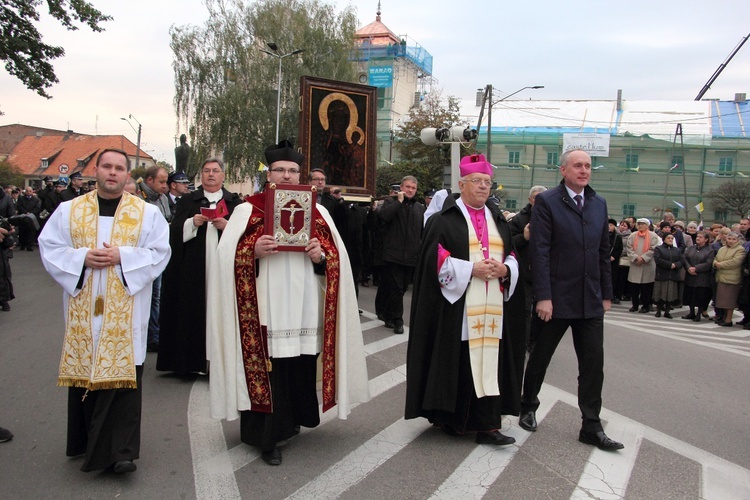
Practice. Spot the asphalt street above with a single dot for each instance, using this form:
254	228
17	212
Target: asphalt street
675	392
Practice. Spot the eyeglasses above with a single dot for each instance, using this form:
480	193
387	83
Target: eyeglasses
282	170
478	182
317	179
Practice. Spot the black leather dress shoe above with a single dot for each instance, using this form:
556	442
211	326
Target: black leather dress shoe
272	457
689	316
389	324
633	309
527	421
494	437
600	440
398	329
123	467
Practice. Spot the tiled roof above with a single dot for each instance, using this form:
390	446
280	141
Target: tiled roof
78	152
377	32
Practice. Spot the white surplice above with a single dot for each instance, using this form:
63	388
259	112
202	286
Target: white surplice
228	385
138	267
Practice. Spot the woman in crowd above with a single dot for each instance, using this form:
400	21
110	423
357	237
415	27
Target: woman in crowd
640	250
697	262
621	288
728	265
668	265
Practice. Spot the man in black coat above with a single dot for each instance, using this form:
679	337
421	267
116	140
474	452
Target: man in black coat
193	238
402	219
460	314
615	252
573	288
30	207
75	187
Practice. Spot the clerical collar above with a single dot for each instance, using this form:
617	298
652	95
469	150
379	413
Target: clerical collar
107	206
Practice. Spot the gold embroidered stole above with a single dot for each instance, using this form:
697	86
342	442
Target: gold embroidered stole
253	336
484	315
112	366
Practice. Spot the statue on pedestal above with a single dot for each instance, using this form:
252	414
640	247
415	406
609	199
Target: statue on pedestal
181	154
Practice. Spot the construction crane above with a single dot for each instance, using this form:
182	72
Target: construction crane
720	69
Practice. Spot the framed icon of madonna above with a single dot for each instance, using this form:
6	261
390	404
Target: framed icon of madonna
337	133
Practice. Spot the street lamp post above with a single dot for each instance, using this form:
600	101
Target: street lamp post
279	56
138	146
488	99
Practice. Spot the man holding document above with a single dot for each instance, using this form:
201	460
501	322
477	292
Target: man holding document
200	218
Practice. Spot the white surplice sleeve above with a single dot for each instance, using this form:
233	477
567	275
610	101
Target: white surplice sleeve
454	277
143	264
63	262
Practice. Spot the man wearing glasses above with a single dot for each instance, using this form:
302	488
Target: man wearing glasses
193	238
278	315
460	369
317	179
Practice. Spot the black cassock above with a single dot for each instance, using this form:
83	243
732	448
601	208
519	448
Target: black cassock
439	385
182	314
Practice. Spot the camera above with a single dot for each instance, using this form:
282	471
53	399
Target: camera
10	239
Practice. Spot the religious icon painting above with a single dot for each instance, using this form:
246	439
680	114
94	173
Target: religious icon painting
338	132
290	215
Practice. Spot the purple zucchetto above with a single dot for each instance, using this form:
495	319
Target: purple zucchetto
475	164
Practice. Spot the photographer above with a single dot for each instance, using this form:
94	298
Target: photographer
6	243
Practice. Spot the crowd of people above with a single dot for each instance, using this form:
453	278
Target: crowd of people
672	265
199	278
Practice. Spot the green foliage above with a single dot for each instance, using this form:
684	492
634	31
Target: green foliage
26	56
225	86
732	196
166	165
138	173
426	163
10	175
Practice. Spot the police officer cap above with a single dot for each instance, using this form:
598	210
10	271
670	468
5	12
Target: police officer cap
178	177
75	175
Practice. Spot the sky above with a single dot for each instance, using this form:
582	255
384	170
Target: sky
579	50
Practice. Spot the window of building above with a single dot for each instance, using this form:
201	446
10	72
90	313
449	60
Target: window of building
510	204
628	210
552	159
676	160
725	165
45	163
721	216
381	97
514	157
631	160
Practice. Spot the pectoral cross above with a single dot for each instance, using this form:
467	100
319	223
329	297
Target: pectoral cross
292	210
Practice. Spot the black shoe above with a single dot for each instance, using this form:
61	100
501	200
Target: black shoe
4	305
494	437
527	420
5	435
398	329
615	301
704	314
389	324
727	323
633	309
690	316
668	315
272	457
643	310
697	319
746	327
743	321
658	313
600	440
123	467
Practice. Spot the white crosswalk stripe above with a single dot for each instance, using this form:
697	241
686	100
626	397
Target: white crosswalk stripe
605	475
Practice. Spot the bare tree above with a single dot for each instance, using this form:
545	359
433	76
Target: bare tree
733	196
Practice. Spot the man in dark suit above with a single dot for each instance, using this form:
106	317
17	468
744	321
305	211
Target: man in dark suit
573	288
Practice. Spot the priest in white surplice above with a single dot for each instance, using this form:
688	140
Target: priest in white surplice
105	248
274	315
